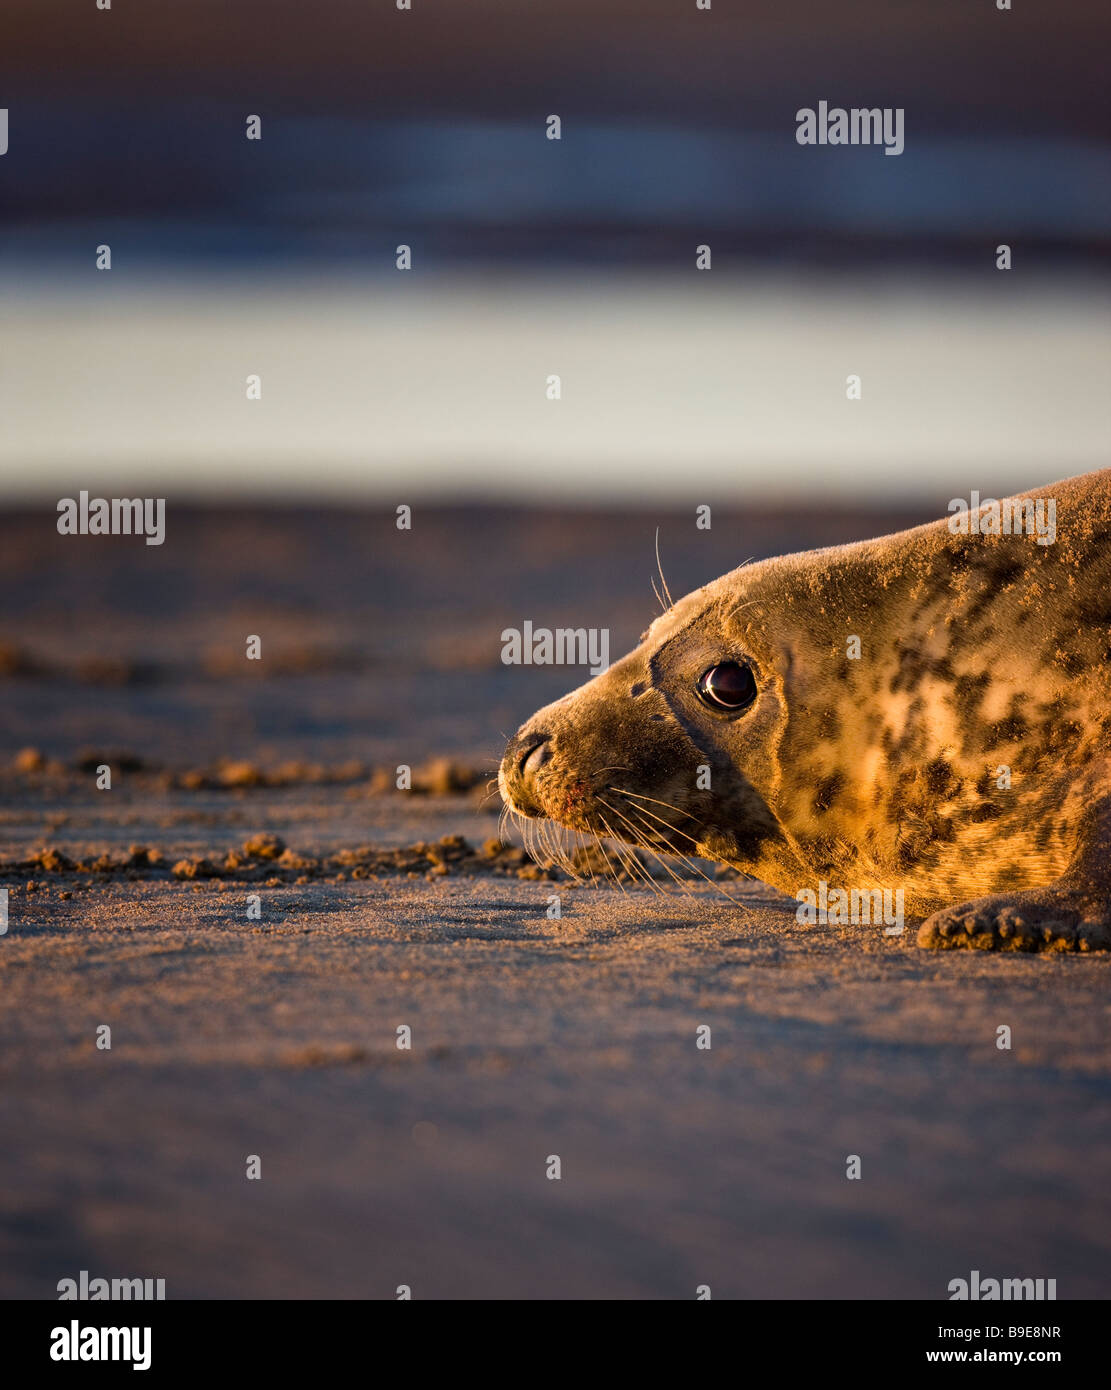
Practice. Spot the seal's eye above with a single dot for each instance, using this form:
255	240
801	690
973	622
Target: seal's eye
730	686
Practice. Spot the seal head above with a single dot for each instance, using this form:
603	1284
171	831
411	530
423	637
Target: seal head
673	747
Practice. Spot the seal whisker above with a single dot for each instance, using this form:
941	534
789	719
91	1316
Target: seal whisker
641	797
663	581
491	791
617	846
591	841
674	828
508	818
633	867
609	864
544	837
606	857
739	607
564	840
642	840
556	839
587	858
687	859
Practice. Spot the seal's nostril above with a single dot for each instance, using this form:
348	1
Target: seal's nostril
534	757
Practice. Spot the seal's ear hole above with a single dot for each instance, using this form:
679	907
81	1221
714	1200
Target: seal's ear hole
729	686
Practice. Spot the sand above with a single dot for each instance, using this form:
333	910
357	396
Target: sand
531	1036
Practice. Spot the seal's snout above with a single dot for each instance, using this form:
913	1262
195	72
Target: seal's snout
525	756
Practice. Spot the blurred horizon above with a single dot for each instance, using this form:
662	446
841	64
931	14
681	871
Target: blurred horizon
534	258
403	386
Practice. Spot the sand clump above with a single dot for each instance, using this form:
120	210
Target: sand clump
265	857
438	776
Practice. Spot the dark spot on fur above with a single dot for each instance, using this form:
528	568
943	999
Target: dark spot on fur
997	568
828	791
1006	569
940	779
1094	610
914	665
953	560
969	690
828	723
1009	730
